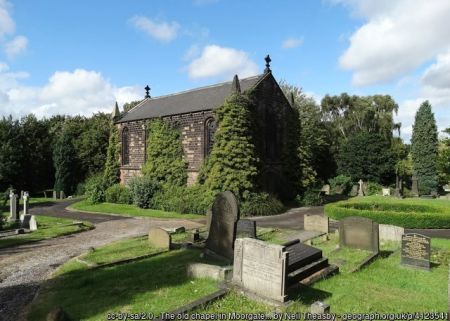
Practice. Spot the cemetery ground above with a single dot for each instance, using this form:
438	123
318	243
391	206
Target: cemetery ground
89	292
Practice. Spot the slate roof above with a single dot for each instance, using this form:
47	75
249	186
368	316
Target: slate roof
204	98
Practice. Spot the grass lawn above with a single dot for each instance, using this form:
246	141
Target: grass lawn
48	227
128	210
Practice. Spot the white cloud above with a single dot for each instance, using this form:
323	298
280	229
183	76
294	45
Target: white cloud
162	31
438	74
397	37
222	62
16	46
80	92
7	25
292	43
192	52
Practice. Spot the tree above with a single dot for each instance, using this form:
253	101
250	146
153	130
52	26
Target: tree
165	163
112	166
444	158
128	106
424	149
232	164
10	154
368	157
64	160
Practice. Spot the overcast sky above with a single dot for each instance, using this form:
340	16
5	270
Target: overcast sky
78	57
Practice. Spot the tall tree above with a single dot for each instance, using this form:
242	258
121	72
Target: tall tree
424	149
64	160
444	158
112	165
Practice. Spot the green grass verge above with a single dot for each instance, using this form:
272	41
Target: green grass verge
407	213
156	284
129	210
48	227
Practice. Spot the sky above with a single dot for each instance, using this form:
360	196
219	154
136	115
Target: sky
79	57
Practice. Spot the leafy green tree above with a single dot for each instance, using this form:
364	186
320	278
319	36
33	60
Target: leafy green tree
424	149
10	154
368	157
64	160
112	165
128	106
165	163
444	158
232	164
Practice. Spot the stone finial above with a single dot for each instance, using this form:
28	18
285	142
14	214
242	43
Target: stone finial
116	112
147	91
268	60
236	86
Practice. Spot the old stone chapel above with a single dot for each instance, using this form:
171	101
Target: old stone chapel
192	112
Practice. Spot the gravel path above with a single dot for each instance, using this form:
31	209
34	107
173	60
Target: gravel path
24	268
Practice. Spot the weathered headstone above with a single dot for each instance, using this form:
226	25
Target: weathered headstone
359	232
360	190
195	236
33	224
260	268
326	189
26	218
416	250
14	207
222	232
354	190
390	232
25	197
159	238
385	192
246	228
55	195
316	223
414	186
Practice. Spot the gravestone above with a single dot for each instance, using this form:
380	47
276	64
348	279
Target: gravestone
390	232
260	268
222	232
246	228
360	190
326	189
415	186
195	236
416	250
25	218
354	190
159	238
316	223
14	207
33	224
385	192
25	197
55	196
359	232
62	195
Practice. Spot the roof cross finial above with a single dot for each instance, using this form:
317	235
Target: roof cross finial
147	91
268	60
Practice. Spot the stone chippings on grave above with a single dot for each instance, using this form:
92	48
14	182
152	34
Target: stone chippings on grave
222	232
159	238
246	228
316	223
416	250
359	232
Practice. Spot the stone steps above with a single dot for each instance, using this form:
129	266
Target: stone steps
307	270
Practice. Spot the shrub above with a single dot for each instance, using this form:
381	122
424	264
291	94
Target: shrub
373	188
345	182
81	189
95	189
404	213
261	204
310	198
118	194
182	199
142	190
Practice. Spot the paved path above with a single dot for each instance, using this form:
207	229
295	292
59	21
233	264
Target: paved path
24	268
293	219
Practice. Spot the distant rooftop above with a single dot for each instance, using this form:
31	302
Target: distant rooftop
199	99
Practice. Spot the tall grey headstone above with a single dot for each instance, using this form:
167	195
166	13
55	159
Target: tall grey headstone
26	201
360	190
14	207
416	250
359	232
55	195
414	186
260	268
222	232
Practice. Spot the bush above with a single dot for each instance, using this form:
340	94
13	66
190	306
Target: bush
81	189
374	188
118	194
142	190
310	198
406	213
182	199
345	182
261	204
95	189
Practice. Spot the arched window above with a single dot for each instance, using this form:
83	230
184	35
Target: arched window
210	129
125	147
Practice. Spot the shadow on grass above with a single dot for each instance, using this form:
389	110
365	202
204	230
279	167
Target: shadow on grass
307	295
385	254
156	285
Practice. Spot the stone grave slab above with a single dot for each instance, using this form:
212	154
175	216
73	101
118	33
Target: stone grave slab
246	228
260	268
359	232
316	223
222	232
416	250
159	238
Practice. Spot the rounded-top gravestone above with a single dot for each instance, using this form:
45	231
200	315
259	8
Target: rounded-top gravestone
222	232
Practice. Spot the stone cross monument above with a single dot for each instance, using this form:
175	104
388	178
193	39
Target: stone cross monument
360	190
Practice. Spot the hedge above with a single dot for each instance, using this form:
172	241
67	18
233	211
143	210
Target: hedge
407	213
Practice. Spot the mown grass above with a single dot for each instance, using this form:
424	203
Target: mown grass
48	227
408	213
129	210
